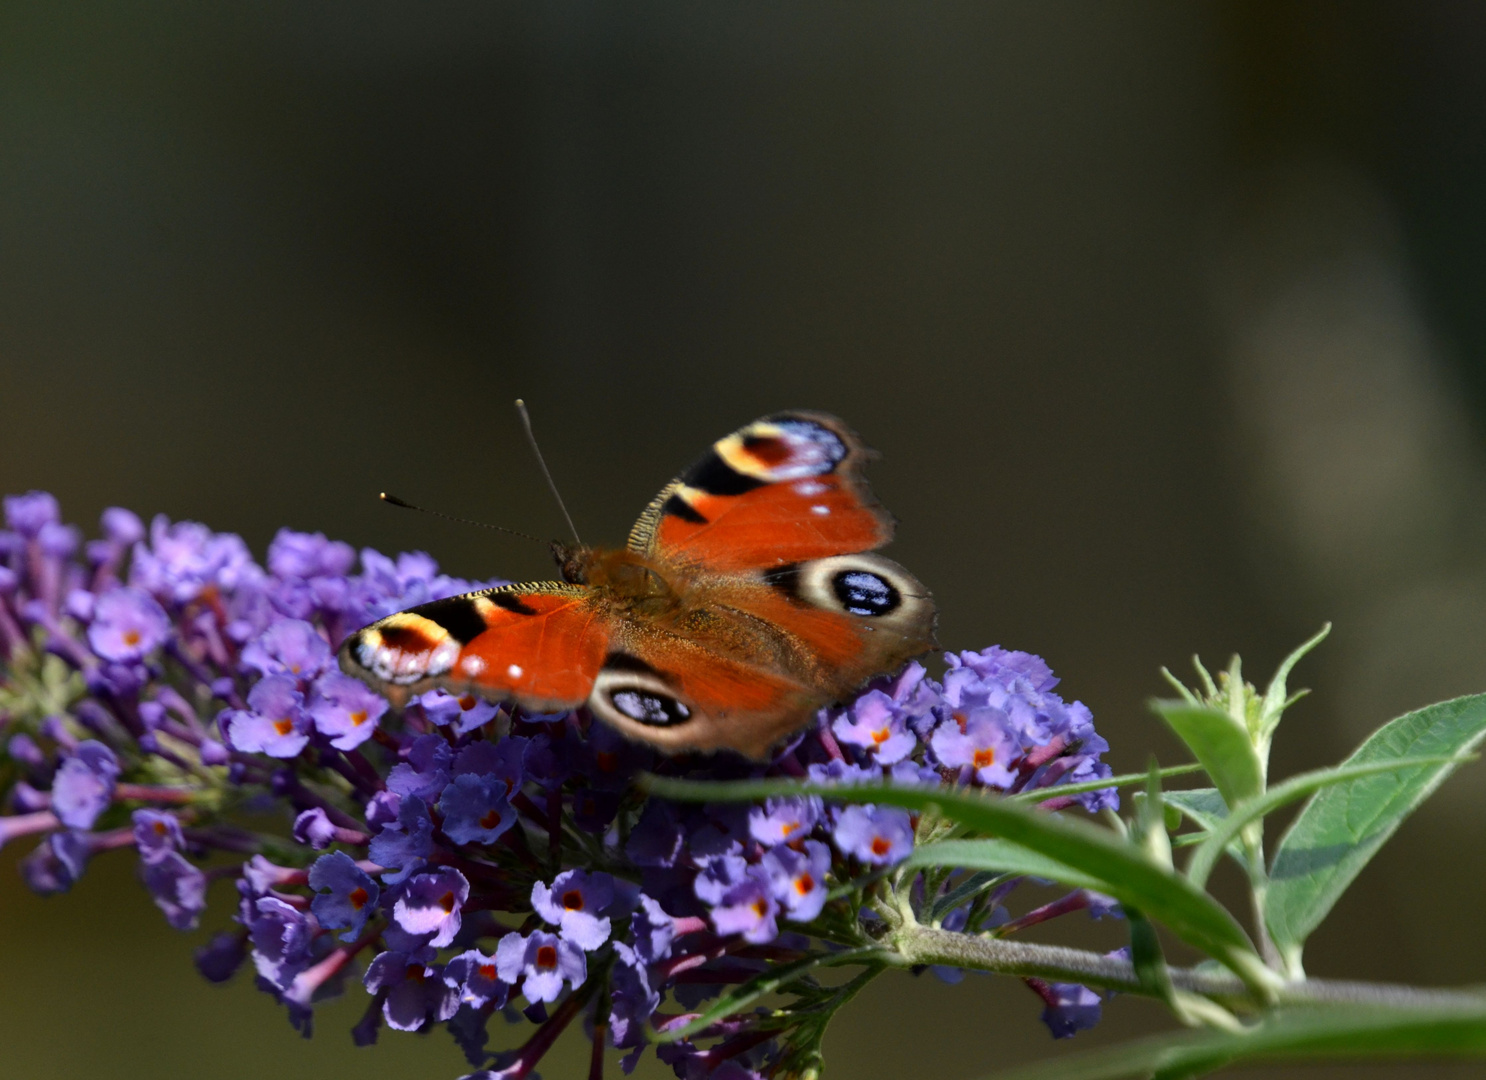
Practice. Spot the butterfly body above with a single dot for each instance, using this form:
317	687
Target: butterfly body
745	599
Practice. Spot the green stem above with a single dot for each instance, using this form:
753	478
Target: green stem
917	945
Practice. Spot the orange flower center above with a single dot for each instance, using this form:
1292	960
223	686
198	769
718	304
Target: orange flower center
961	719
358	718
760	907
880	846
490	819
804	883
131	637
546	957
572	900
881	735
284	726
447	901
984	759
358	898
487	971
789	827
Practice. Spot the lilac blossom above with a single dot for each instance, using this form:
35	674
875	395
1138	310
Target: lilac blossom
424	836
84	785
430	903
127	624
576	901
345	710
274	722
542	962
874	834
345	895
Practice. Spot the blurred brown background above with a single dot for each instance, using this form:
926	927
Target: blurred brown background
1166	318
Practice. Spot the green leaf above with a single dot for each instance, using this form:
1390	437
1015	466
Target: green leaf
1226	831
1074	851
1353	1033
1206	808
1127	780
1342	827
1221	743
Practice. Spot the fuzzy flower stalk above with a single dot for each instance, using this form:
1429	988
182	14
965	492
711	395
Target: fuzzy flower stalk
461	860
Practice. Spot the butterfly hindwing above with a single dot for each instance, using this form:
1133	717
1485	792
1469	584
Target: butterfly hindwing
779	645
783	489
538	644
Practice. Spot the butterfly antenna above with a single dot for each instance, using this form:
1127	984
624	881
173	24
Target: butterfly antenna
551	486
393	500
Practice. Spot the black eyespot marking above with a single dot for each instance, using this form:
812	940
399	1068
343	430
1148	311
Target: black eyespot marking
511	602
676	506
786	579
717	477
456	615
862	592
645	706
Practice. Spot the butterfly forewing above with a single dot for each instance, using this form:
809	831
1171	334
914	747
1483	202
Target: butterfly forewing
539	644
783	489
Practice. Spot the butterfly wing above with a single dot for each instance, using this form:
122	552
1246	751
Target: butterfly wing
784	489
539	645
759	654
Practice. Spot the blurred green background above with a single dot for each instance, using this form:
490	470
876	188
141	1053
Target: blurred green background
1166	318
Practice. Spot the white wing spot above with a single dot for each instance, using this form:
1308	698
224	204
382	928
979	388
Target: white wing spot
472	665
514	671
809	487
821	510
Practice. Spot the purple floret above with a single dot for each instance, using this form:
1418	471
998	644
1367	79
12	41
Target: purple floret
748	908
783	820
474	977
275	724
544	961
404	844
878	835
430	903
475	809
1070	1008
415	991
345	710
281	935
127	625
798	878
304	555
979	741
157	834
878	724
177	887
576	901
84	785
425	772
28	514
290	647
345	894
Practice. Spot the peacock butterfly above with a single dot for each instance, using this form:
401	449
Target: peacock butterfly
745	599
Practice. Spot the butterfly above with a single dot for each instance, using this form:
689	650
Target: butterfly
746	598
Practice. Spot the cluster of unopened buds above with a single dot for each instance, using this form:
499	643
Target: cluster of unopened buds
461	858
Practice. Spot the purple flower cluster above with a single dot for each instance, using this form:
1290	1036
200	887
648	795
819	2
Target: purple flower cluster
469	859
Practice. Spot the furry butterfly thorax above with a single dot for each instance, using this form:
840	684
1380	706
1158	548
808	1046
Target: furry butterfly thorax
747	596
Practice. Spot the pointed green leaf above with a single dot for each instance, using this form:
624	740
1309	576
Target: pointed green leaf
1221	743
1342	827
1077	852
1225	832
1353	1033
